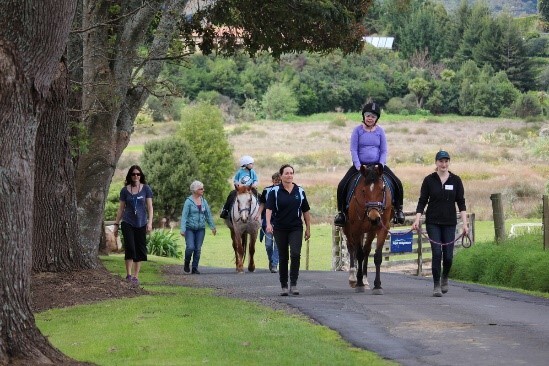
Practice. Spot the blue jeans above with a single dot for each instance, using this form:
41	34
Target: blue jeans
193	242
444	253
289	248
272	250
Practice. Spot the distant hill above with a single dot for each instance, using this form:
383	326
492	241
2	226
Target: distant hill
515	7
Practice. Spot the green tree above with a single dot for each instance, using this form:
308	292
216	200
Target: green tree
527	105
279	101
428	28
543	10
171	166
476	23
514	61
202	128
421	89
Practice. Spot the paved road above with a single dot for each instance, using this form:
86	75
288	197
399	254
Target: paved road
470	325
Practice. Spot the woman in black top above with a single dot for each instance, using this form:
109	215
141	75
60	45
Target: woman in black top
440	192
286	204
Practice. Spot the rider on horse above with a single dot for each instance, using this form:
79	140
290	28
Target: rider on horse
247	176
369	146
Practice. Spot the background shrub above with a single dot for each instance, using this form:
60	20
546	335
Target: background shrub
171	166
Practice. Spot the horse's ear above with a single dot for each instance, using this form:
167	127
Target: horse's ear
379	169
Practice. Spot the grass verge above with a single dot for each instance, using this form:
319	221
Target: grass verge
187	326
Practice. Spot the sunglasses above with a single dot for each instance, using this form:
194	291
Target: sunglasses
368	114
136	174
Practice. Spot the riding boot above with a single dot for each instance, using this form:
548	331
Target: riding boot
399	216
224	213
339	220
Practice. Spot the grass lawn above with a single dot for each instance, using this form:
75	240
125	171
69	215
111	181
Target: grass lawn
188	326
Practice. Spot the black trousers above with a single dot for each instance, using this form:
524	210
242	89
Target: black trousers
398	199
289	250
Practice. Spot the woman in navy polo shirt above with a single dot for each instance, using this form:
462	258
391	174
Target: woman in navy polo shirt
441	191
286	205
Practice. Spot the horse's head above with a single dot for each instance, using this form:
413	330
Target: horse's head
243	203
373	190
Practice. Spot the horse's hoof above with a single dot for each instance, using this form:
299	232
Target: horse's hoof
377	291
359	289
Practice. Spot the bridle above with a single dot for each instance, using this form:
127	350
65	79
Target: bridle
248	208
379	206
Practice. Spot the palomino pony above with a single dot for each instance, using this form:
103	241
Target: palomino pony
244	222
370	212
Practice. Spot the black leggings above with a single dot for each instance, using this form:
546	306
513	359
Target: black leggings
398	199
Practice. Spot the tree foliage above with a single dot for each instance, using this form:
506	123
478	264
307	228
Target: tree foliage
202	128
283	26
171	166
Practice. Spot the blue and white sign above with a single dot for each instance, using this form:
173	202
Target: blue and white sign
402	243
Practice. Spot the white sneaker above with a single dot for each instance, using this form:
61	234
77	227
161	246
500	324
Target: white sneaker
444	285
294	290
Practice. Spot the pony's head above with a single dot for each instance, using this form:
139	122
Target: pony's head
243	203
373	190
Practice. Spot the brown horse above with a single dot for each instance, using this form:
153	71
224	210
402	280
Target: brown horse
244	222
370	213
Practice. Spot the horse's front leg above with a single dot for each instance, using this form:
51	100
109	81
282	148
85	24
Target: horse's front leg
239	253
378	258
360	269
367	249
352	261
251	252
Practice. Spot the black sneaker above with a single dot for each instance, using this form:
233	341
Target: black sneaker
195	271
339	220
186	267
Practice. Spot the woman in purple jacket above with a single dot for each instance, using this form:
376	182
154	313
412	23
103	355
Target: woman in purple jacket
369	146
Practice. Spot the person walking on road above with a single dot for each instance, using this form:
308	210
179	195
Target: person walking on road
270	245
196	213
135	215
286	205
441	191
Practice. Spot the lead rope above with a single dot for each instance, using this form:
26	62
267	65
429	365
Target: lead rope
466	240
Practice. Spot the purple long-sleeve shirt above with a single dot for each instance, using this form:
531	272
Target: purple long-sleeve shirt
368	147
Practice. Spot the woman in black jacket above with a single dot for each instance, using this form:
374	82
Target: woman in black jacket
440	192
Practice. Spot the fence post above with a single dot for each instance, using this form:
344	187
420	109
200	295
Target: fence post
307	258
545	222
499	220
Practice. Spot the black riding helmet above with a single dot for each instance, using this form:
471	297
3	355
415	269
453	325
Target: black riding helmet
371	107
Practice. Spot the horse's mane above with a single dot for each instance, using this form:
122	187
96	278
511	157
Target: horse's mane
243	189
371	173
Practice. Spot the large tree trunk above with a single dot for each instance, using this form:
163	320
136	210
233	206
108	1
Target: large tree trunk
56	238
32	38
110	100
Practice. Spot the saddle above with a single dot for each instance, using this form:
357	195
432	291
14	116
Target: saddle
353	182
